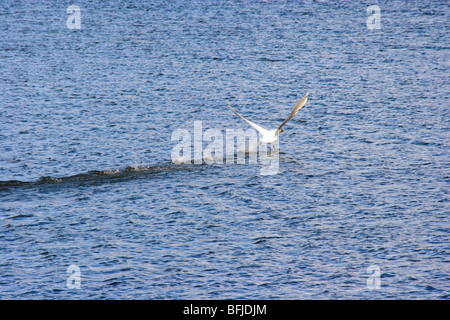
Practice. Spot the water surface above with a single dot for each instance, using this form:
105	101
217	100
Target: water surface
87	179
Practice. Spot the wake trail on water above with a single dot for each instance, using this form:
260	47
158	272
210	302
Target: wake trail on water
94	177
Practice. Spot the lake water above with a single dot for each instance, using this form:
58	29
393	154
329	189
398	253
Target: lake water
92	205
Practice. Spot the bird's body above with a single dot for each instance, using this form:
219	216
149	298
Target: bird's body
271	136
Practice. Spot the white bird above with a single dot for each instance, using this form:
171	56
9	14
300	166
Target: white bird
271	136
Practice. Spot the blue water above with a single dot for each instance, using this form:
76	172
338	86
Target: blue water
87	178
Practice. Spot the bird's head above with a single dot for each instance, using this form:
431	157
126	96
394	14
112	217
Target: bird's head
280	130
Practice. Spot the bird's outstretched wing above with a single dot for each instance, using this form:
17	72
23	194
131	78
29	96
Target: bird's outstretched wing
260	129
295	109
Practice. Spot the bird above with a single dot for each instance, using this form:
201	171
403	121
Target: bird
271	136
